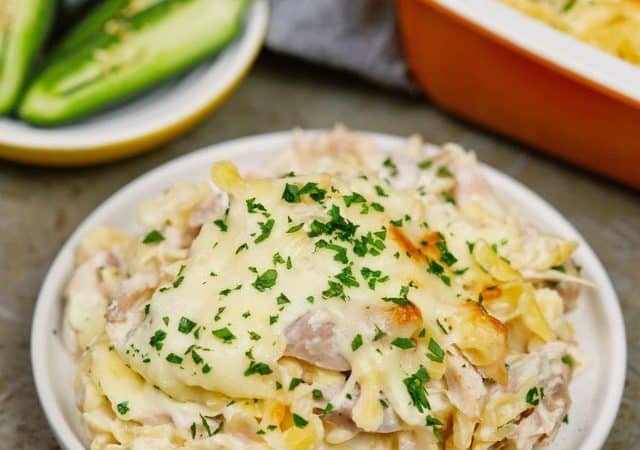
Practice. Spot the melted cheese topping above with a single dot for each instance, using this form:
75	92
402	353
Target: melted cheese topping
611	25
360	307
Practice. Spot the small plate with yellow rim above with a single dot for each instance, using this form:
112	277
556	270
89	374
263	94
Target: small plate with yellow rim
145	121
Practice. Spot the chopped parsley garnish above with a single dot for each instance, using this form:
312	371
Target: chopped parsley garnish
346	277
291	193
433	421
559	268
205	424
335	289
445	255
354	197
403	343
179	276
228	291
327	409
147	308
317	394
266	280
391	165
397	222
565	419
443	171
196	356
157	340
295	228
299	421
273	319
265	230
341	252
224	333
436	269
415	388
436	354
356	343
219	313
533	396
174	359
377	206
379	334
254	336
221	224
441	327
255	207
380	191
259	368
282	299
425	164
568	360
165	319
123	408
295	382
242	247
373	277
568	5
185	325
206	368
153	237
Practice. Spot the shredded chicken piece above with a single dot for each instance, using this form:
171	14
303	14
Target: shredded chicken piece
311	339
465	387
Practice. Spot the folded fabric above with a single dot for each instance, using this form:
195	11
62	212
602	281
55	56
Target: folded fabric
360	36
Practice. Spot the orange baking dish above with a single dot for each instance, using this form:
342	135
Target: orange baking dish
494	66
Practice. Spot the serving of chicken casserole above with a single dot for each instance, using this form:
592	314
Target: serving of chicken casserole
340	298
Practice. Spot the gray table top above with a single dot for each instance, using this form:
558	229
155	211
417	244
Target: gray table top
40	207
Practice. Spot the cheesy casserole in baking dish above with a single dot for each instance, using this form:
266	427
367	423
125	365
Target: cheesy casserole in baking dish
342	298
611	25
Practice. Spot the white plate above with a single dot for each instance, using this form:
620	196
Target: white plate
147	120
596	392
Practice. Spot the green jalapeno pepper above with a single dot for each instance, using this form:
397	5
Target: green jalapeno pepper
24	26
124	48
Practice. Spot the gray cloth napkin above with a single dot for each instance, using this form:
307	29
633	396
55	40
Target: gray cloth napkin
360	36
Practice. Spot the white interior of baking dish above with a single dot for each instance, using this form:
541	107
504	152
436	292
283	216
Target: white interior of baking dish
557	47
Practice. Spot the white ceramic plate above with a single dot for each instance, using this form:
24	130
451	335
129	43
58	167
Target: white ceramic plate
596	392
147	120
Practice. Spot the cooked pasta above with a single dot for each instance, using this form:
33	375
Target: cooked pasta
341	298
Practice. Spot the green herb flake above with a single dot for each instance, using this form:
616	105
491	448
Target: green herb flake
255	207
258	368
391	165
568	360
282	299
425	164
221	224
299	421
436	354
291	193
379	334
153	237
265	230
415	388
354	197
265	280
317	394
174	359
533	396
295	228
185	325
356	343
403	343
380	191
157	340
443	171
224	333
206	368
123	408
295	382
